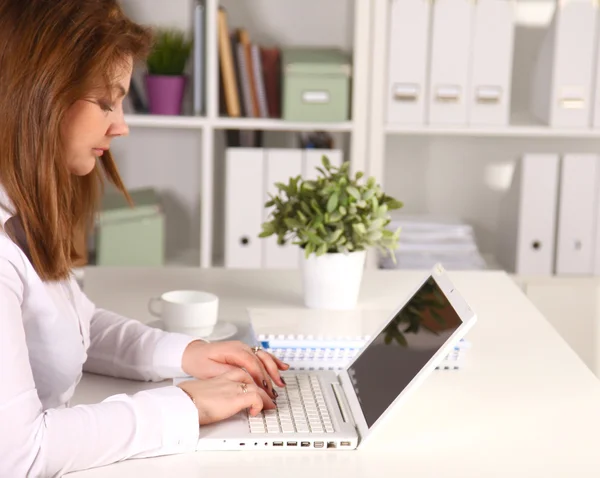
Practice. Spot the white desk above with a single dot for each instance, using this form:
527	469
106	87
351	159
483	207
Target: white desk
524	406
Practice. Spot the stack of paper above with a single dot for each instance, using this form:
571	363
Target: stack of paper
426	240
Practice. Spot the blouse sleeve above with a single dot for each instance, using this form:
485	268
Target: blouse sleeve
52	442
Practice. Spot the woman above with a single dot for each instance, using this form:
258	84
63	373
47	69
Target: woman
65	67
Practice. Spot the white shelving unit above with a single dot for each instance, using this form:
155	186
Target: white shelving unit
211	125
427	167
450	163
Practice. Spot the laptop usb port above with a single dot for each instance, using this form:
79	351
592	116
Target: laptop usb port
305	443
277	443
319	444
292	443
331	444
345	443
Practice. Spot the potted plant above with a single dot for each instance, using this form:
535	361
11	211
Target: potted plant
334	219
165	80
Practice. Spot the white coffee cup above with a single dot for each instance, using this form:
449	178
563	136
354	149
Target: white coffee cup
191	312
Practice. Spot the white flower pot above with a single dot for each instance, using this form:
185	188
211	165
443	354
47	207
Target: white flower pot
332	280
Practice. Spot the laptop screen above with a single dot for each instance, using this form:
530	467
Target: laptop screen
402	349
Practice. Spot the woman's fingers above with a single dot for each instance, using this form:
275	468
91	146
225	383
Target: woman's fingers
239	375
255	368
271	364
255	399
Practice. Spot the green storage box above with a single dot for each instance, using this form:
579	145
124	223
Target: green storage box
129	236
315	85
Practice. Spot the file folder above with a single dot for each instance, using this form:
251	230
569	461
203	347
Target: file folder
450	58
527	221
281	165
244	204
488	101
577	208
562	78
408	57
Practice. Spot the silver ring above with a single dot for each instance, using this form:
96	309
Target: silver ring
256	348
244	388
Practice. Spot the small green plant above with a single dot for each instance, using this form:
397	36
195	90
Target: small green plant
334	213
169	54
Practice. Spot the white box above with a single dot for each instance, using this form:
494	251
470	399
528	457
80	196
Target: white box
563	73
576	215
244	204
408	57
489	93
450	58
527	222
281	165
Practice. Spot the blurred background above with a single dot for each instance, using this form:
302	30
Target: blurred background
482	117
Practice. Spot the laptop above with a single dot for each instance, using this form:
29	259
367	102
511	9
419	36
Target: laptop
326	410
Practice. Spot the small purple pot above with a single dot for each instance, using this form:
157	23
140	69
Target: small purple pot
165	94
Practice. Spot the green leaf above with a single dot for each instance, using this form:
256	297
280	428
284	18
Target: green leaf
322	249
369	193
315	205
335	235
292	223
376	225
326	162
335	217
352	191
359	228
281	187
309	249
332	203
374	236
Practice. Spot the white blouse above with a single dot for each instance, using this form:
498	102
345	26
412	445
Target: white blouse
49	334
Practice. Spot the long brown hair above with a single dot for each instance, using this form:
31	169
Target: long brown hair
53	53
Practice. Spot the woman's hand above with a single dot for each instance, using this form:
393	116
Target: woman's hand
207	360
223	396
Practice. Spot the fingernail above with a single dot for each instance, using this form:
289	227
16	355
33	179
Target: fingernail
275	393
265	383
281	378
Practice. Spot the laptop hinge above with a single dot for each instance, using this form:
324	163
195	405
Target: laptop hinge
342	403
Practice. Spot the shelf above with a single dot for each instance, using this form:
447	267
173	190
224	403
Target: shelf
164	121
198	122
521	126
280	125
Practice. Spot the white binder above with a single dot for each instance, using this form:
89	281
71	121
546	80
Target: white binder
489	94
527	222
408	56
562	77
595	113
312	160
450	58
244	204
281	165
596	247
576	214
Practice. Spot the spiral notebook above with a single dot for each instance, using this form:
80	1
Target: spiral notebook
311	340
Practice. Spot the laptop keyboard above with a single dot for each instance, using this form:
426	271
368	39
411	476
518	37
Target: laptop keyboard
301	408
